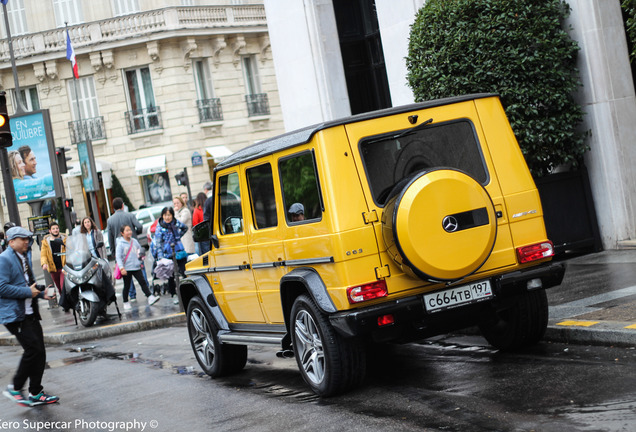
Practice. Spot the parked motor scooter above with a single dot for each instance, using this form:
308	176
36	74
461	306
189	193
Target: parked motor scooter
88	282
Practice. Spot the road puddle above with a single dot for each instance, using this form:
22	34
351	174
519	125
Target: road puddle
90	354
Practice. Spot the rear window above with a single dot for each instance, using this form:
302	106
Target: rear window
389	158
301	189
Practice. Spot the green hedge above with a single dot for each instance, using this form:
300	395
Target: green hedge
516	48
629	7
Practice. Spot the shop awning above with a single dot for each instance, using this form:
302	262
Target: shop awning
150	165
218	153
100	165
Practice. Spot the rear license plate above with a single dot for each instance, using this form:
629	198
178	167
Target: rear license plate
458	296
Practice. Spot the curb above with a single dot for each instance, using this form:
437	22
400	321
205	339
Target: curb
90	333
606	333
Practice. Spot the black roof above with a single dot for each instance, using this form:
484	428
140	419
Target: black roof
304	135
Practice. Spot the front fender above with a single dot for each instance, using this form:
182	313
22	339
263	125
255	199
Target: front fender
89	295
200	286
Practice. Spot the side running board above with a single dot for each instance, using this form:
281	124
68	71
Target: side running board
245	338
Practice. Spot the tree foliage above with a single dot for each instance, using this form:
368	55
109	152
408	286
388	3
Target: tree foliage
516	48
629	7
118	191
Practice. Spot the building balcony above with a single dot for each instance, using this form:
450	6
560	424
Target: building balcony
143	120
92	128
149	26
257	104
210	110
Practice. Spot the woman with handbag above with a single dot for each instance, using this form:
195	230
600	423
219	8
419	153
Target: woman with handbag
167	243
129	257
94	237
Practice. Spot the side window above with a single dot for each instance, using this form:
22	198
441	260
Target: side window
230	213
301	193
261	186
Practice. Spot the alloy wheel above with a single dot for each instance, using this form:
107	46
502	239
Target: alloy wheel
309	347
201	335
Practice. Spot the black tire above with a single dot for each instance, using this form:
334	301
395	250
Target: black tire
89	314
329	363
519	326
216	359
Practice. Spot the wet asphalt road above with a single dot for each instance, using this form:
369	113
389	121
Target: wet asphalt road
449	383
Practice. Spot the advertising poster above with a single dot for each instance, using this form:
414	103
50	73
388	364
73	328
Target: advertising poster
85	168
30	159
157	187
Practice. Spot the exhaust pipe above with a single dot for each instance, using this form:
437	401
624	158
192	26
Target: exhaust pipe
285	354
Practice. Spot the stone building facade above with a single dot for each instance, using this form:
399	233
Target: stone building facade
163	85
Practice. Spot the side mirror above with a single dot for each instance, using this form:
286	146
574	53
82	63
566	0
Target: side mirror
201	231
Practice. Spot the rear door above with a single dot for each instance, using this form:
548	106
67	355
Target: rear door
263	227
392	148
232	280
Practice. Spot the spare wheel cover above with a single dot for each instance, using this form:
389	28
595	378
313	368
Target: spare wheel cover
444	225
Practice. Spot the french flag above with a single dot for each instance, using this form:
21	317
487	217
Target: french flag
70	54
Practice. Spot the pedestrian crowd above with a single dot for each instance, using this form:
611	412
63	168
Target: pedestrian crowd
170	243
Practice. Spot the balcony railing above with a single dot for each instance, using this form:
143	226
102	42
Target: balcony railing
154	24
210	110
257	104
91	127
143	120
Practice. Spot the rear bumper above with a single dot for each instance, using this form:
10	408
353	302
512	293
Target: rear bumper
412	321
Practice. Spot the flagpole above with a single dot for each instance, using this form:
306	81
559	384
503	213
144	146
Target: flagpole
85	136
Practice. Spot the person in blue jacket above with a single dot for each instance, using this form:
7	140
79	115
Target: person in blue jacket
167	244
19	313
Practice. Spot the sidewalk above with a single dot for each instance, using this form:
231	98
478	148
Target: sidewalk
595	304
60	328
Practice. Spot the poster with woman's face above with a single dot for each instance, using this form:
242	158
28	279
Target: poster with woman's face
29	159
158	187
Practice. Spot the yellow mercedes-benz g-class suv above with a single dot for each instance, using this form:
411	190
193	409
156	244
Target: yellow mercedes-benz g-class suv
393	225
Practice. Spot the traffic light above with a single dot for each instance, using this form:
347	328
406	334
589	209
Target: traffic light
6	140
68	203
182	178
60	154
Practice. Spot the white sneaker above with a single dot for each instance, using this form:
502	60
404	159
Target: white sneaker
127	306
175	299
153	299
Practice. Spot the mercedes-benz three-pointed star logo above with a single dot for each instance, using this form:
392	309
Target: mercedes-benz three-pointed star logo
450	224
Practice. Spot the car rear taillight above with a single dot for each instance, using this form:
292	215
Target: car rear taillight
535	252
367	292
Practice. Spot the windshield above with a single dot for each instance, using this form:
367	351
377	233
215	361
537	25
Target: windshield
389	158
78	254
